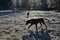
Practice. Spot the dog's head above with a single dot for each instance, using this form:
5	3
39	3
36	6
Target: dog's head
27	22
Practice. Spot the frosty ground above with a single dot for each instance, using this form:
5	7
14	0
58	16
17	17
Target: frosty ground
12	25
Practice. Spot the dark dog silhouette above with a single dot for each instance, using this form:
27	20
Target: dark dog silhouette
36	21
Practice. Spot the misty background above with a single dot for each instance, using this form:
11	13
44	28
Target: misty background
30	4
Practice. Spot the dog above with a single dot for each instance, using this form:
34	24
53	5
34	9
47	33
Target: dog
36	21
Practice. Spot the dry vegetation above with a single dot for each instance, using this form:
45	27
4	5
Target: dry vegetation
12	26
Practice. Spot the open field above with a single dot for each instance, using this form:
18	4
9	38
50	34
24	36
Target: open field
12	26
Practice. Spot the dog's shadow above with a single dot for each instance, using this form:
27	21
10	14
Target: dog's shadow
37	36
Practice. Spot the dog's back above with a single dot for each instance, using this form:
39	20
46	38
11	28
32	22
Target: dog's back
35	21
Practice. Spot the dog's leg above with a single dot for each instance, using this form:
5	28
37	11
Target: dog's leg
36	28
29	26
45	26
41	25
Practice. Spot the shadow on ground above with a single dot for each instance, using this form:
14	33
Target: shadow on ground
37	36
